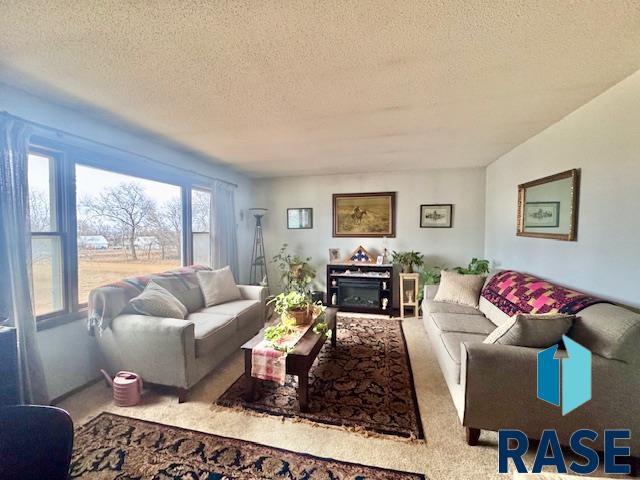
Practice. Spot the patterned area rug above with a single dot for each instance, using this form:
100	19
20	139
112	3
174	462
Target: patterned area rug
364	383
121	448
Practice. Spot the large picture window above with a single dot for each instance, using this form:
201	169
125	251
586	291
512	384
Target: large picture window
98	222
46	238
126	226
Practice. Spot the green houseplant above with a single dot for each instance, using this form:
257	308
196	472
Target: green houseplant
296	273
476	267
429	276
407	259
293	305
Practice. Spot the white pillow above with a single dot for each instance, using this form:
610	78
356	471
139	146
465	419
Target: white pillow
530	330
460	289
218	286
157	301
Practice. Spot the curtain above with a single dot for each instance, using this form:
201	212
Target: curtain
224	235
15	258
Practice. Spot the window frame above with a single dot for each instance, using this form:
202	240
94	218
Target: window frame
66	157
209	191
56	190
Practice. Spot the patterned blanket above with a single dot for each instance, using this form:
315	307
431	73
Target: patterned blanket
515	292
109	301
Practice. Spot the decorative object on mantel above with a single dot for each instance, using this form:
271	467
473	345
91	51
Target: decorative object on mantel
258	272
408	297
360	255
407	260
364	214
334	255
548	207
438	215
299	218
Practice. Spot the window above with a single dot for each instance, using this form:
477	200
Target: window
126	226
46	238
200	226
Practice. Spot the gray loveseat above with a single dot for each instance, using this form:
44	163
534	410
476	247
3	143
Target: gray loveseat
494	386
170	351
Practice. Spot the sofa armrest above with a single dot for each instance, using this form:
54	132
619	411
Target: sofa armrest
500	384
161	350
430	292
253	292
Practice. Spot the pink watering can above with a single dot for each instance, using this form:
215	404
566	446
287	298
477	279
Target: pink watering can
127	388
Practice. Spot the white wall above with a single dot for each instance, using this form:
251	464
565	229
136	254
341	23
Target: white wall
69	353
602	138
465	188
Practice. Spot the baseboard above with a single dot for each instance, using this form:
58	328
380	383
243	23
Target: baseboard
64	396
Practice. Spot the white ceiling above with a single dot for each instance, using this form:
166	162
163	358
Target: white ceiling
284	87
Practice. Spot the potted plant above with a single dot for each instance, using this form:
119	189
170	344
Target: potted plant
294	306
476	267
296	272
407	260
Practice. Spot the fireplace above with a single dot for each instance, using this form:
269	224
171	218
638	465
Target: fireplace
358	293
360	287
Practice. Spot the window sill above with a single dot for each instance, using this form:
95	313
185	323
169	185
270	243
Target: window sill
59	320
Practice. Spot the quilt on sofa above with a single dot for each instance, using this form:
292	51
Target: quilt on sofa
515	292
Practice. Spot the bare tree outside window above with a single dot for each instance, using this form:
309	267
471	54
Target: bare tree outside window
127	204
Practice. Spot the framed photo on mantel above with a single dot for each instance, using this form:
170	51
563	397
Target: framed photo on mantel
438	215
364	214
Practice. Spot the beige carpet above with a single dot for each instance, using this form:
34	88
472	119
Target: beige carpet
443	456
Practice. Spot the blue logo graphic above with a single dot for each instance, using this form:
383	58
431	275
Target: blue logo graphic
565	381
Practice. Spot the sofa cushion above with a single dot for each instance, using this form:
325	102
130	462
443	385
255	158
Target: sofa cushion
185	288
246	311
452	341
459	322
493	313
157	301
460	289
431	306
533	331
211	330
609	331
218	286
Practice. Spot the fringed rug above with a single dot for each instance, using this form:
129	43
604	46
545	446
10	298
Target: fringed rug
111	447
365	383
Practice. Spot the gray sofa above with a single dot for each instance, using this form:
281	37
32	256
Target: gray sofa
494	386
170	351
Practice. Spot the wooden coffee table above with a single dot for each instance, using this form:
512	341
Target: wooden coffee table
299	361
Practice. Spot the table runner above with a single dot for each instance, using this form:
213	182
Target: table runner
269	363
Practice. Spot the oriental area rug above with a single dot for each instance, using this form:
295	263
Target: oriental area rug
365	383
111	447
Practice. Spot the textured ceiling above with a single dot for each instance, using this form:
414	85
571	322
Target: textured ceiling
283	87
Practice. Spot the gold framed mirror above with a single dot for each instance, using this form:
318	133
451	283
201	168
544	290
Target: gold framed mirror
548	207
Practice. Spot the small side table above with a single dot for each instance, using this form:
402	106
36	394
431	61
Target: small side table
409	285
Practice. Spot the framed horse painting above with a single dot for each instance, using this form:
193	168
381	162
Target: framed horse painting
364	214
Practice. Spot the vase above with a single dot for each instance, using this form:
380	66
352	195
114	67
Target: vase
409	296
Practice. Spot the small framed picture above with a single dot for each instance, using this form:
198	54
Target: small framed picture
379	260
299	218
334	255
542	214
436	215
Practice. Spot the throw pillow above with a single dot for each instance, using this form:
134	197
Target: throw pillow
218	286
185	288
461	289
157	301
535	331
